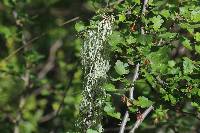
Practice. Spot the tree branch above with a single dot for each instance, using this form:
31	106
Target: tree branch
51	59
136	73
125	119
139	121
126	116
144	6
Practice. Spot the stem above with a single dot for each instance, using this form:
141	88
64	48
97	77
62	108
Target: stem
144	6
124	121
147	111
136	73
126	116
139	121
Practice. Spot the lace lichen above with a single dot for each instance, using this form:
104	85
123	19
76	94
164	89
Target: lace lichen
95	61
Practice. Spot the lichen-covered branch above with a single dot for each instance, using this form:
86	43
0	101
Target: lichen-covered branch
95	61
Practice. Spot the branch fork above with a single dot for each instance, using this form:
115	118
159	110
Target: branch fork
136	73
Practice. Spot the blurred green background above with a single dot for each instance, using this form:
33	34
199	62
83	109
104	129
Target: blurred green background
40	71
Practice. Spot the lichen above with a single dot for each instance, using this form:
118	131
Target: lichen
95	61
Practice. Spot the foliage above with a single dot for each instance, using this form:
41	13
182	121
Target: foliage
41	76
168	53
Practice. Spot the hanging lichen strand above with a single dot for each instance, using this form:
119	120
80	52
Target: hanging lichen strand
95	61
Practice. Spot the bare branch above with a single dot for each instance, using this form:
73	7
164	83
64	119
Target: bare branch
69	21
23	46
144	6
139	121
124	121
47	117
126	116
52	56
143	13
136	73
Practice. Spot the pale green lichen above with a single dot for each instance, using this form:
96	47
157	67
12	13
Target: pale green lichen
95	61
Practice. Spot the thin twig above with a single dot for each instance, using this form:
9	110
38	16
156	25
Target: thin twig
36	38
69	21
126	116
55	113
47	117
143	13
23	46
139	121
71	76
51	59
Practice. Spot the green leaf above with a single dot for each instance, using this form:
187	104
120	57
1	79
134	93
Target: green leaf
121	68
171	98
136	1
187	43
109	87
189	26
168	35
115	39
159	59
131	40
79	26
196	105
165	13
145	39
171	63
111	111
157	22
195	15
122	17
91	131
133	109
197	48
188	66
184	11
7	31
197	37
195	91
160	113
143	102
33	56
